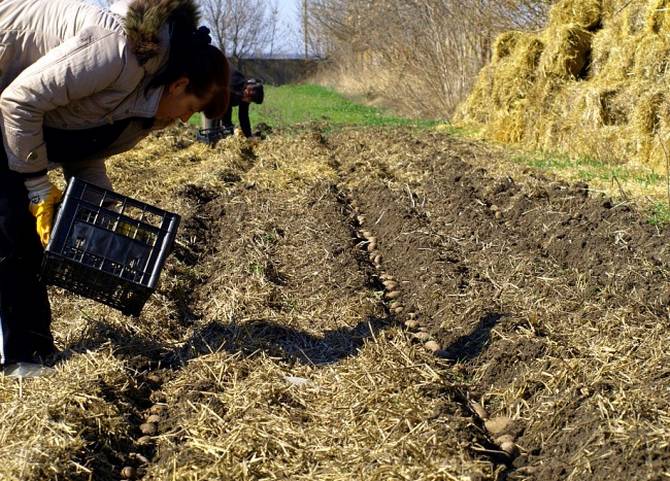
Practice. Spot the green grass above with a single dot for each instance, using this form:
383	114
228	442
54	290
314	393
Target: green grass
589	169
289	106
659	214
643	182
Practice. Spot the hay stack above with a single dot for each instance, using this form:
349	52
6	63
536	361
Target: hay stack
568	52
586	13
658	17
500	93
595	87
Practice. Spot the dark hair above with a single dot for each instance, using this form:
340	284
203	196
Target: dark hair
257	92
205	66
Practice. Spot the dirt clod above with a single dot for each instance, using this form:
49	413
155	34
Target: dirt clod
154	377
421	336
505	438
154	418
157	408
510	448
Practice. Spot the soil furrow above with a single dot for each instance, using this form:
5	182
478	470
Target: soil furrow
292	326
367	304
510	277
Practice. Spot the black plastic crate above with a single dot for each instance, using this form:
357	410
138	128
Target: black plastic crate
108	247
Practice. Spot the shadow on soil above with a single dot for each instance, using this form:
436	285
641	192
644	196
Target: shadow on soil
138	350
292	345
260	335
471	345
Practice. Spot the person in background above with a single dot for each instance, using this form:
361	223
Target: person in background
243	92
79	83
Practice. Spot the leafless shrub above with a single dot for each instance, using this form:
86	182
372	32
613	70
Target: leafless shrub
243	28
423	54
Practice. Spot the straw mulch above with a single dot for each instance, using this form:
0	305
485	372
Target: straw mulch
299	372
553	297
267	350
596	90
272	350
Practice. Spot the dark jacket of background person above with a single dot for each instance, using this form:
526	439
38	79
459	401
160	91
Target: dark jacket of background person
237	84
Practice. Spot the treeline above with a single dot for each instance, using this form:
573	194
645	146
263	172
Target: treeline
419	56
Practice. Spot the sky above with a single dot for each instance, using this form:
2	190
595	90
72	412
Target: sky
288	12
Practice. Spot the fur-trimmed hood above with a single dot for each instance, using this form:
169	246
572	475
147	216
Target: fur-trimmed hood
144	20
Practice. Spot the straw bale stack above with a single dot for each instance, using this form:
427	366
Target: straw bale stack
634	17
596	90
567	53
610	54
650	61
658	16
651	116
506	44
585	13
507	81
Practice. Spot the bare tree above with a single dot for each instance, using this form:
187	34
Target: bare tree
316	41
242	28
274	26
423	52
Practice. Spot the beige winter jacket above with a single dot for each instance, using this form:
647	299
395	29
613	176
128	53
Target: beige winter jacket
70	65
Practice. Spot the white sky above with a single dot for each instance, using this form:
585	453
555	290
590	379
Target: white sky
288	10
289	14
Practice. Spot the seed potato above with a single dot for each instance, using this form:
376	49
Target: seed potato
148	428
128	472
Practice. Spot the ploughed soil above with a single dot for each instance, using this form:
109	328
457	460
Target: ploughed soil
371	304
547	296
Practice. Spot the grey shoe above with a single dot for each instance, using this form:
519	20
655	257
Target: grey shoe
26	370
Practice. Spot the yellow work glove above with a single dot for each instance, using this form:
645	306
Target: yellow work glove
43	196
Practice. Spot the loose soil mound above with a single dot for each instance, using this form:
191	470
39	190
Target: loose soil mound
376	304
591	84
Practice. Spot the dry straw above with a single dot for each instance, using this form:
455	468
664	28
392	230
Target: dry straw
605	62
567	51
288	367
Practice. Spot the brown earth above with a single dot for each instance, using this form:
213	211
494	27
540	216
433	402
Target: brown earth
277	347
527	278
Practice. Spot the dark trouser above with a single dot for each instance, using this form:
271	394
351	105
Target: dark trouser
25	314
